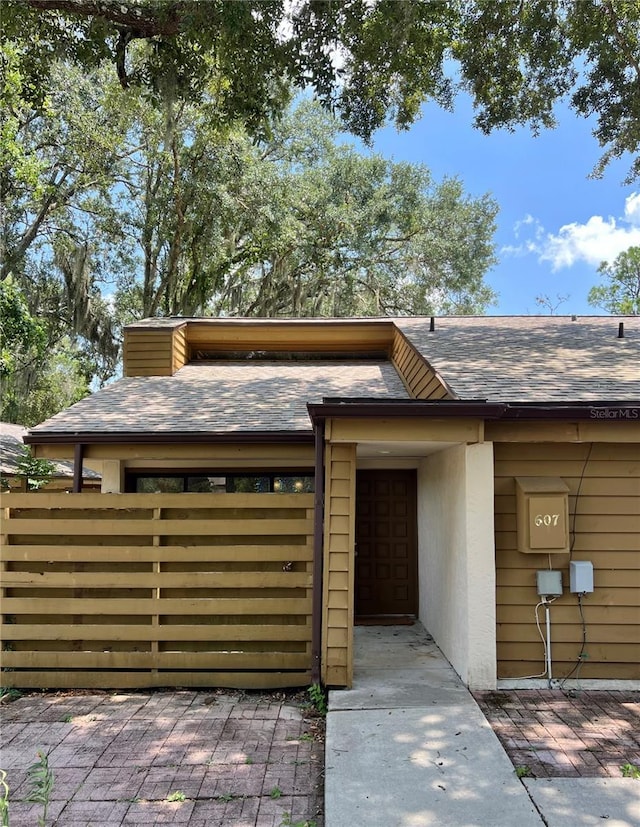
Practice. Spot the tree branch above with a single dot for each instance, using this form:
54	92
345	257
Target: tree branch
143	22
623	44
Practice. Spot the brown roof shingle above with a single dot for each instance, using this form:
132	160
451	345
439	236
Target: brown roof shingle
532	358
225	397
501	359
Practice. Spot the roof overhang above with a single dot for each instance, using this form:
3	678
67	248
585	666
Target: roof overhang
470	408
329	408
168	437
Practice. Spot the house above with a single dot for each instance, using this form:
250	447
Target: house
13	477
266	484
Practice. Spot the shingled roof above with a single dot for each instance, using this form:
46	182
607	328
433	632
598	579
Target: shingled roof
499	359
532	358
225	397
12	450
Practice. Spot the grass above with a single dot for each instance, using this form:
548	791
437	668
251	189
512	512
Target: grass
630	771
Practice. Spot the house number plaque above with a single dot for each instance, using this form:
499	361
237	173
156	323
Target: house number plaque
542	515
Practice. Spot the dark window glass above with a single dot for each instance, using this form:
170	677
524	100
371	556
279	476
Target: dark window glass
230	483
248	485
160	485
293	484
206	485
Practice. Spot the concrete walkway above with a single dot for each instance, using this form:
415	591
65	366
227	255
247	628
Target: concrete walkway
409	747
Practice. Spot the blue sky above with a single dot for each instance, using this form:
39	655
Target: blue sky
555	224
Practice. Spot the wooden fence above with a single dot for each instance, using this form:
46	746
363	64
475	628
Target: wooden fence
144	590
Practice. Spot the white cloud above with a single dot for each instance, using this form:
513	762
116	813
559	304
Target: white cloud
528	226
632	208
599	239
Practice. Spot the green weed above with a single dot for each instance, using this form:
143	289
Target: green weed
4	800
227	797
8	693
630	771
288	822
178	795
40	776
318	696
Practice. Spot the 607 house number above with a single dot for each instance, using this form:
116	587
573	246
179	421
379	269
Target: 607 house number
546	519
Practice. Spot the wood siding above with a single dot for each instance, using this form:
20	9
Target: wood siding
148	352
180	348
223	455
419	378
143	590
161	351
339	540
604	513
329	336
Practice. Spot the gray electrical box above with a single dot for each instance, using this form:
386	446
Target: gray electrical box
580	576
549	582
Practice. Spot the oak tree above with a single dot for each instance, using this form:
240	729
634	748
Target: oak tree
370	60
621	294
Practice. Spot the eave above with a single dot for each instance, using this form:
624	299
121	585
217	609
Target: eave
168	437
592	410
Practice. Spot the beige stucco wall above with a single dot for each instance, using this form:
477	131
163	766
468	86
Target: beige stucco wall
456	558
112	476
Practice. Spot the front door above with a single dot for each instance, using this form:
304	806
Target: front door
386	570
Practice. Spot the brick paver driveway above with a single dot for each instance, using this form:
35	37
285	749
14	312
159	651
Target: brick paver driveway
216	759
555	734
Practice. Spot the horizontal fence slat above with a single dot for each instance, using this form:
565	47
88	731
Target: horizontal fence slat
151	527
149	571
135	501
157	606
162	632
159	554
155	660
143	680
160	580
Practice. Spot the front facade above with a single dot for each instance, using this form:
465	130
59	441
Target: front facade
267	484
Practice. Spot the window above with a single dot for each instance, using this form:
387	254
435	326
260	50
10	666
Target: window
258	483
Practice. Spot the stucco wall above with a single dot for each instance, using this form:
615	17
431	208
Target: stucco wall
456	567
